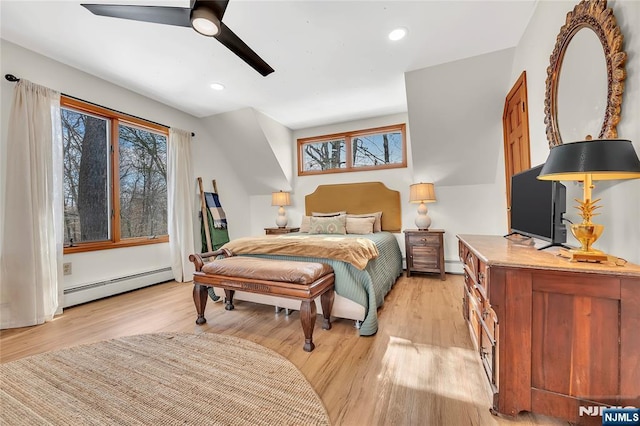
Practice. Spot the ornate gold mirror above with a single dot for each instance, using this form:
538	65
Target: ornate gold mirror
585	78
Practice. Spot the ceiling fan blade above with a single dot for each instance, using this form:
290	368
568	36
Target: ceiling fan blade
178	16
237	46
217	6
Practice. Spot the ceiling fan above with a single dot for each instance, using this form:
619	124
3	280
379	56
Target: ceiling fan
203	16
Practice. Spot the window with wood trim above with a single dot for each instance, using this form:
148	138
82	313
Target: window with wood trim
114	179
369	149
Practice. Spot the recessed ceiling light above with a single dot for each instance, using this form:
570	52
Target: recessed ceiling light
217	86
397	34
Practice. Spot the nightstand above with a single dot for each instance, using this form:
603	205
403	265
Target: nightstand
276	231
425	251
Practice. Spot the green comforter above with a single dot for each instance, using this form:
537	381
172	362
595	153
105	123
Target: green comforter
365	287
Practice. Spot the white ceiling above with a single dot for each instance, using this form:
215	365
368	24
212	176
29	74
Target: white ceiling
333	61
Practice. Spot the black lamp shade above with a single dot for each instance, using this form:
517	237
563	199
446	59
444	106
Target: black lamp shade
603	159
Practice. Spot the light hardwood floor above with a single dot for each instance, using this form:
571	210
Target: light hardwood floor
419	369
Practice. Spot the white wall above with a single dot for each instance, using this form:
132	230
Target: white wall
208	162
258	147
455	110
620	212
279	138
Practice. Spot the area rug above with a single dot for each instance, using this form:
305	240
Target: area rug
159	379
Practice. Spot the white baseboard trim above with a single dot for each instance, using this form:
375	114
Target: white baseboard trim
98	290
450	266
453	267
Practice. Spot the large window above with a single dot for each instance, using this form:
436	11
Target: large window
379	148
115	178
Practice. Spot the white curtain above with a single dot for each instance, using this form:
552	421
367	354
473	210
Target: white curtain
31	219
180	190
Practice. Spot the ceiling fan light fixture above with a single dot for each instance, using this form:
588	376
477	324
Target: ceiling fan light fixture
205	22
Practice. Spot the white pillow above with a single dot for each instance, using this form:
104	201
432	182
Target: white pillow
377	225
360	225
305	225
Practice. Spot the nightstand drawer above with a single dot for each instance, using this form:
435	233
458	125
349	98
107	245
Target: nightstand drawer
278	231
422	240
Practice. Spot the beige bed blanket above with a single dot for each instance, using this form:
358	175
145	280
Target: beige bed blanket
353	250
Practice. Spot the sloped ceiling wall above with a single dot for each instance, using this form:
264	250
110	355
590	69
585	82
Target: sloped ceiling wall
257	146
455	112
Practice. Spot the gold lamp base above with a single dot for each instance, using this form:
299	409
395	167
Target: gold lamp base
577	255
587	234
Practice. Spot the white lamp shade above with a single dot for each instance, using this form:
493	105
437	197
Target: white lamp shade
280	199
422	193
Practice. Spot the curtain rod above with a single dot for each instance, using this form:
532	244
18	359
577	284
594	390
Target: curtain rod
12	78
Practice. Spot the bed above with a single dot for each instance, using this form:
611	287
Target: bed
360	285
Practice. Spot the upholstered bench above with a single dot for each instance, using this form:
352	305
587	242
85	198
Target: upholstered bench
302	281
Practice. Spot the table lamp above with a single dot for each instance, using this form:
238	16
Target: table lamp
281	199
422	193
588	161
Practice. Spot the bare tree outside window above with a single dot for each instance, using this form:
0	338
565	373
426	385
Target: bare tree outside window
325	155
143	183
115	185
379	148
85	178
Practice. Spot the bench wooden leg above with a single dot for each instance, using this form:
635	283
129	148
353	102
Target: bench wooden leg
228	300
326	300
308	314
200	296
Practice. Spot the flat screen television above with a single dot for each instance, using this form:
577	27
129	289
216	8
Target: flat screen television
537	207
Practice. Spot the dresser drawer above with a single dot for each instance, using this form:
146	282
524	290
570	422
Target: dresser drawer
470	262
462	251
470	313
474	292
477	271
489	346
483	278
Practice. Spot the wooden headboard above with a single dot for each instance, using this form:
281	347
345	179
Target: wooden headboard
358	198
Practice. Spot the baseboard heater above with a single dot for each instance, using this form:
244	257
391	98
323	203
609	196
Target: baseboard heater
97	290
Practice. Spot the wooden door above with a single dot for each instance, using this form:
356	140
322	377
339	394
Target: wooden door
515	125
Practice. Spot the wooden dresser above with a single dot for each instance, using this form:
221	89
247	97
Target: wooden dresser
552	335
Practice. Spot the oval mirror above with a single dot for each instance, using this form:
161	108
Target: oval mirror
585	78
582	88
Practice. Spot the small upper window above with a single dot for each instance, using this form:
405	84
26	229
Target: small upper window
324	155
379	148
